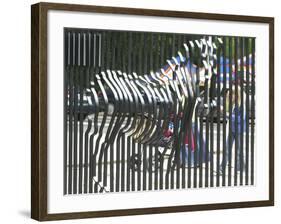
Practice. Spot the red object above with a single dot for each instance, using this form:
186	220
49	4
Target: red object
186	140
168	133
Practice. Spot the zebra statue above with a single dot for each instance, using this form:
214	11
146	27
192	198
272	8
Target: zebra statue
150	125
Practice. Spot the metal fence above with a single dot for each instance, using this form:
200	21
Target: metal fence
157	111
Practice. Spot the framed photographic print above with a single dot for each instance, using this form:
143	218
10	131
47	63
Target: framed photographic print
139	111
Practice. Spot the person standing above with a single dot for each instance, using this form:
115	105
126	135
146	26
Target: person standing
237	115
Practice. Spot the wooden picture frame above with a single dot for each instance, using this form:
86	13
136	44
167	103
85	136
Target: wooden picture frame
39	110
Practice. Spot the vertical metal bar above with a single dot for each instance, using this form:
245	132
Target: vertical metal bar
71	130
113	47
241	159
86	153
140	56
94	150
190	133
75	115
116	61
162	49
130	53
230	108
145	144
196	128
196	155
173	44
139	167
150	147
84	51
105	145
156	157
212	149
139	39
206	159
67	48
131	59
178	144
183	147
190	136
207	124
92	155
117	175
90	49
218	118
70	175
224	113
253	75
111	146
65	108
91	163
79	55
201	147
169	177
111	171
161	170
176	149
179	42
167	48
95	40
157	53
144	166
145	70
155	43
74	45
102	51
107	36
81	115
212	97
236	111
105	167
133	165
161	45
128	149
124	41
123	147
99	50
247	90
134	51
87	58
151	67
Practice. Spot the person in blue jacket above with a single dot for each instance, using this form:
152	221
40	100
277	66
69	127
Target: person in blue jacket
235	132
